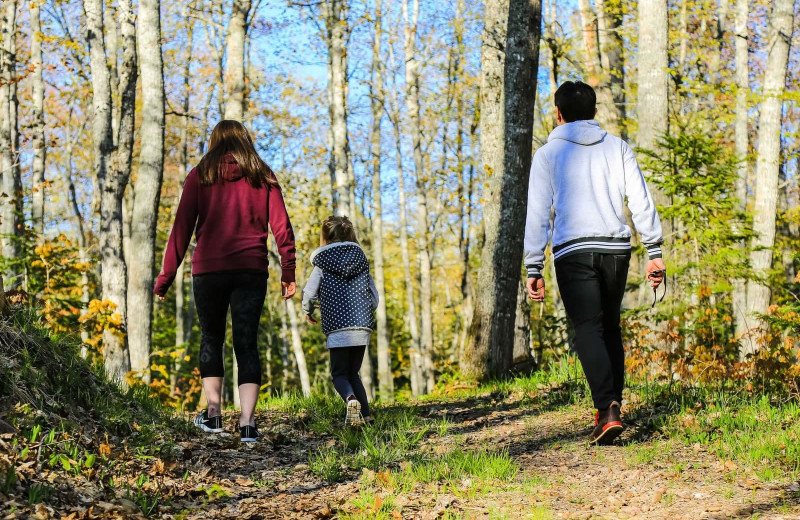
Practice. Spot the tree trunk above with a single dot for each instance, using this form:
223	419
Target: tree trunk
183	318
111	178
508	89
415	360
768	158
423	242
11	225
37	127
652	65
607	113
653	77
297	347
234	70
742	145
337	29
385	379
147	188
609	25
82	242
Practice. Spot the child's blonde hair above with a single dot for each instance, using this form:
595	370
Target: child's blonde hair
338	229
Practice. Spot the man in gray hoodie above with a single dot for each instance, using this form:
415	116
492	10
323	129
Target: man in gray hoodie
585	175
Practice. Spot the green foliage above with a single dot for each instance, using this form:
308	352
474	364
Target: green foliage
698	174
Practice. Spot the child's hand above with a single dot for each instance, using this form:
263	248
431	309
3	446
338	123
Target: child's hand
311	320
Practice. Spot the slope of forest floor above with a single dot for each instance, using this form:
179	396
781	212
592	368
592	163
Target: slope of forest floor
513	449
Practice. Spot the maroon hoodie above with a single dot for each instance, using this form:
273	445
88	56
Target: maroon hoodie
230	219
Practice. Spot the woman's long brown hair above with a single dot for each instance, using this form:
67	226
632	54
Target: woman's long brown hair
231	137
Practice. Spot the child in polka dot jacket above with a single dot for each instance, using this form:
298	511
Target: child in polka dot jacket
344	290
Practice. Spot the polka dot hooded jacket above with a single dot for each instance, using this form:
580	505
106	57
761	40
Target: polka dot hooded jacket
342	286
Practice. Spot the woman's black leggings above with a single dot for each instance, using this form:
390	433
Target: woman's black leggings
244	293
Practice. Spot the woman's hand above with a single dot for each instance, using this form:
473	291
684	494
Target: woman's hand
160	297
288	289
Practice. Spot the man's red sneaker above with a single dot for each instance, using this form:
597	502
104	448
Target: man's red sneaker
608	425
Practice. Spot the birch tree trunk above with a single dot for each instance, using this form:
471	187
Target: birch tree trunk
11	225
337	28
234	70
415	359
742	145
183	317
385	379
297	347
147	188
112	178
508	88
423	243
37	127
778	41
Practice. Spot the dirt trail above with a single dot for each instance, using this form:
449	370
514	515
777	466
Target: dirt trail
560	476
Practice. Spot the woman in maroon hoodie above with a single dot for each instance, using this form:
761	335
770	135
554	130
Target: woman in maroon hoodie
229	201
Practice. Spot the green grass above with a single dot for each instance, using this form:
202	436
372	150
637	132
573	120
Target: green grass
458	464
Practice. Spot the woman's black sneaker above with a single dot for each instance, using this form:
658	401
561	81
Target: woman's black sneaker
208	424
248	433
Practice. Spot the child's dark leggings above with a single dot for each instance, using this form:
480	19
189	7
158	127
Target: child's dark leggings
244	293
345	364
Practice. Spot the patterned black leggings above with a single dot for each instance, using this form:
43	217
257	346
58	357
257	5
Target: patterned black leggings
244	293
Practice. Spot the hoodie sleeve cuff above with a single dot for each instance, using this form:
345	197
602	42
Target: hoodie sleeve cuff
534	271
287	275
653	251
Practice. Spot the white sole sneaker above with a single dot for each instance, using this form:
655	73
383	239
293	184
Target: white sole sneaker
209	430
353	417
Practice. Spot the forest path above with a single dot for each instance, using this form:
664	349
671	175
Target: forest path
559	475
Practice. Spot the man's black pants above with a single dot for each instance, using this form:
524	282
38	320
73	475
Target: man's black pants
592	286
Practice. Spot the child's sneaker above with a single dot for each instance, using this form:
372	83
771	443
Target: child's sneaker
208	424
248	433
353	417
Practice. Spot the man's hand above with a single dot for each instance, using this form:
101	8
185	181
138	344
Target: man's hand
656	270
311	320
160	297
536	289
288	289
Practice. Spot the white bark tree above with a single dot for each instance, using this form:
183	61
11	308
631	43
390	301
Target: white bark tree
234	69
146	188
377	97
653	73
337	29
742	144
37	128
11	224
778	42
509	64
412	74
112	167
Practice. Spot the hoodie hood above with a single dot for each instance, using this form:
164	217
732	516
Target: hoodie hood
230	169
586	132
343	259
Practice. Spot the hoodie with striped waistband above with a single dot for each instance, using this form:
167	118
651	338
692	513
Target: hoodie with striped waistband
585	175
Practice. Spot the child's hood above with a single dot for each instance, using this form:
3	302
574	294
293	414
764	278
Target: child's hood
586	132
344	259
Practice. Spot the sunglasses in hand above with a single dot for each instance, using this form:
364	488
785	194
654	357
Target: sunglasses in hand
658	276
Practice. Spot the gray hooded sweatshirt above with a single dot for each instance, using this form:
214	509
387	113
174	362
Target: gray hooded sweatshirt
585	174
344	290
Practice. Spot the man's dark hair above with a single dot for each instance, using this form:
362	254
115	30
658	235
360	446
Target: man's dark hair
576	100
